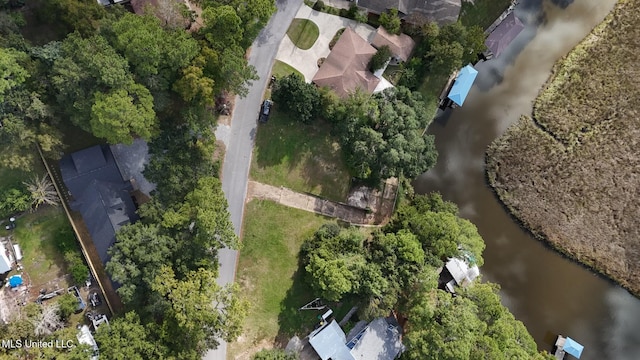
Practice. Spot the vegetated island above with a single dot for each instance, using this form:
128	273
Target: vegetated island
571	172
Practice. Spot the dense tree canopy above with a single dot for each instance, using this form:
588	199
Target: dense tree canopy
390	21
384	135
300	99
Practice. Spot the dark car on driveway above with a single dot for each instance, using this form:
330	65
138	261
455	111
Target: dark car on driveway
94	299
265	110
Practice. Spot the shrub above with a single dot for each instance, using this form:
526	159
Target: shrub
390	21
67	305
319	5
300	99
76	267
13	201
380	58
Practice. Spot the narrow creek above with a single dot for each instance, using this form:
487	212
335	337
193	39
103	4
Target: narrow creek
546	291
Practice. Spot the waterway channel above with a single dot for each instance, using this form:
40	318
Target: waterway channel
546	291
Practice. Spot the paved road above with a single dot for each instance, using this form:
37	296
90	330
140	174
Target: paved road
235	171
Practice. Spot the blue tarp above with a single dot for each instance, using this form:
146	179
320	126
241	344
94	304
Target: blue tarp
571	347
15	280
462	85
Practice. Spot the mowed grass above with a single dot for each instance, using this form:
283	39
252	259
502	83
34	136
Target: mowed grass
431	87
303	33
36	233
302	157
281	69
482	12
268	272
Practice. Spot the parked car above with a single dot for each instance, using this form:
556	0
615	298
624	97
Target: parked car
94	299
265	110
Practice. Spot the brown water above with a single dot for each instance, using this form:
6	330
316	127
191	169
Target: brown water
549	293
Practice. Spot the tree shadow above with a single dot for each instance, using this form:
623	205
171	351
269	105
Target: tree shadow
291	320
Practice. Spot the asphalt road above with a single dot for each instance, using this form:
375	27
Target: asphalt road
235	170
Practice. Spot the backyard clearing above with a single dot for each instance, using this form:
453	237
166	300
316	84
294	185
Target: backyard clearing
269	277
301	157
571	173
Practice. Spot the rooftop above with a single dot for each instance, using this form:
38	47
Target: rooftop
504	34
346	67
400	45
462	84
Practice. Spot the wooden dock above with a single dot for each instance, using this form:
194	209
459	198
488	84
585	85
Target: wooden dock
559	353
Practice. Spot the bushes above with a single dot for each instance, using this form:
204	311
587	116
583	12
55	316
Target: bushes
67	305
76	267
14	201
380	58
319	5
390	21
300	99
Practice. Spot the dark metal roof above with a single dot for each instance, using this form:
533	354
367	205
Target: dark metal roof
99	193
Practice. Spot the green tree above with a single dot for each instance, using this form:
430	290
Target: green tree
75	15
202	222
127	339
42	191
222	27
76	267
439	229
139	252
300	99
445	57
390	21
334	261
380	58
194	85
67	305
155	54
13	201
383	135
121	114
198	312
12	74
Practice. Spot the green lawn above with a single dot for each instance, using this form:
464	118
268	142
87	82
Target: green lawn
36	233
302	157
430	89
303	33
268	272
482	12
281	69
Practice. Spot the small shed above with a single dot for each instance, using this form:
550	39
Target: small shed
5	263
462	84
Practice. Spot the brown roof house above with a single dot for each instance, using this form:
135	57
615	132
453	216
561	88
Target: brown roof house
440	11
401	45
347	66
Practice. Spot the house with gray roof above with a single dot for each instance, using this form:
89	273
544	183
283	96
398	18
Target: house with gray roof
98	191
381	339
440	11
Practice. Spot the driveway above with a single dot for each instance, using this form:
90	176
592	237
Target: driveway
306	61
241	136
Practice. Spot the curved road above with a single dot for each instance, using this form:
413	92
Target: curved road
237	160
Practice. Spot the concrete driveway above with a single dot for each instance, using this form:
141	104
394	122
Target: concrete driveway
306	61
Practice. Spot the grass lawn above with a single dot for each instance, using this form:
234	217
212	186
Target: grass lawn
482	12
303	33
302	157
281	69
36	233
268	272
430	89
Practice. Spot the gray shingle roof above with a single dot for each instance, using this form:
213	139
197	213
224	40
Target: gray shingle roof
440	11
380	341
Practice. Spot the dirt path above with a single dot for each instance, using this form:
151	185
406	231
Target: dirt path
310	203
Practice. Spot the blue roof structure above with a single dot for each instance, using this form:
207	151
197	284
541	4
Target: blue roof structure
462	85
15	280
572	347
